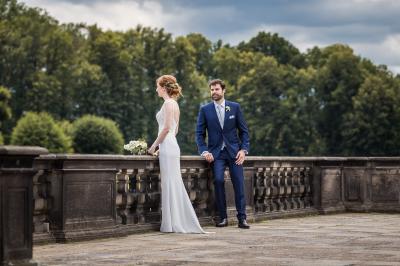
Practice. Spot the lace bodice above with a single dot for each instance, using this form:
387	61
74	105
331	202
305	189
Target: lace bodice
173	112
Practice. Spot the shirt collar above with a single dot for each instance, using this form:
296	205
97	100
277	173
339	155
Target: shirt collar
222	104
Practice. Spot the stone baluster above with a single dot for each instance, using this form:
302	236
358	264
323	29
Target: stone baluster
258	191
275	189
195	183
41	203
281	189
307	187
153	197
188	182
122	184
268	190
203	195
286	182
132	196
139	210
289	188
296	188
302	188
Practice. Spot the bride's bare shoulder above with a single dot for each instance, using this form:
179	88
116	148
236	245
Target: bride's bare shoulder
171	102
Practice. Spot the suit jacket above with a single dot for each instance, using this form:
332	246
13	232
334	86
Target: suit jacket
234	133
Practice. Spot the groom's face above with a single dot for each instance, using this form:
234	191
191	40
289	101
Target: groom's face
217	93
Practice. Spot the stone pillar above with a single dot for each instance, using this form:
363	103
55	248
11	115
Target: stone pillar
329	185
16	201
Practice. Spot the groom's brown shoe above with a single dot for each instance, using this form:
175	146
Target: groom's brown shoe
223	223
243	224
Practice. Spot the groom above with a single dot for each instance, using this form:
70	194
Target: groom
228	144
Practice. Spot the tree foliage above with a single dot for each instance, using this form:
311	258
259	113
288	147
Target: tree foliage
326	101
91	134
40	129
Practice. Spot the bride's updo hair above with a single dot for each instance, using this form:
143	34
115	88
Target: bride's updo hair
172	87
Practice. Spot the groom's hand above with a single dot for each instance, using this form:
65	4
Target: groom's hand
208	156
240	157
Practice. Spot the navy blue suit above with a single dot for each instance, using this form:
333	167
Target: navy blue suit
235	135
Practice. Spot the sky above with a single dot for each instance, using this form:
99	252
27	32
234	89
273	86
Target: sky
370	27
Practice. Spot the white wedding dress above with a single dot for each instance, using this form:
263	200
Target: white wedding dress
178	214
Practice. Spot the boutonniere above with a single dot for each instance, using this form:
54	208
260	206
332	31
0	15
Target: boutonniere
227	108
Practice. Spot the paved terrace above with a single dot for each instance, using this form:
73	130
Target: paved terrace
341	239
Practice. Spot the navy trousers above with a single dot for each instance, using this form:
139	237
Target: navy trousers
236	173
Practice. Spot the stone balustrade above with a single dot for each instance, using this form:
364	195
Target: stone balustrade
91	196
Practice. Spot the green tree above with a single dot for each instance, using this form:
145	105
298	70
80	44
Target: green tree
260	95
92	134
230	63
271	44
40	129
203	53
299	112
37	58
338	80
91	90
372	129
194	87
68	129
130	62
45	93
5	110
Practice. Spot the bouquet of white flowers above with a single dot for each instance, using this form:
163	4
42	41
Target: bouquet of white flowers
137	147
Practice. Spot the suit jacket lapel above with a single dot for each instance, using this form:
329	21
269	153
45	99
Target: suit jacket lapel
226	113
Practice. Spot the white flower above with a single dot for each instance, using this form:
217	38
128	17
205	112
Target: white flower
137	147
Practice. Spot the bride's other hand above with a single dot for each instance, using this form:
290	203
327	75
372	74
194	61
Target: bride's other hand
152	150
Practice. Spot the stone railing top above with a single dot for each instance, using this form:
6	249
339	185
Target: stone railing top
118	157
320	158
97	157
112	157
22	150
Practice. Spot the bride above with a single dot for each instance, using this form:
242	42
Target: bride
178	214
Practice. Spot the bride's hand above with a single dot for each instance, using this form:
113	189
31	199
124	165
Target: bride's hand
152	150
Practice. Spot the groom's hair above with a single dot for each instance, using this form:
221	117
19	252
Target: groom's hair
215	82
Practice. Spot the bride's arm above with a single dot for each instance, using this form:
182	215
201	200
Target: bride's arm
168	110
177	128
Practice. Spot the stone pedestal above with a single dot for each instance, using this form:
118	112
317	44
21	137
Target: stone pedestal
16	201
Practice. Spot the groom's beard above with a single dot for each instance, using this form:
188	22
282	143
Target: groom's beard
216	97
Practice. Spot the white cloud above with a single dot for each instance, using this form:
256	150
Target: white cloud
347	11
395	69
126	14
366	25
119	15
385	51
